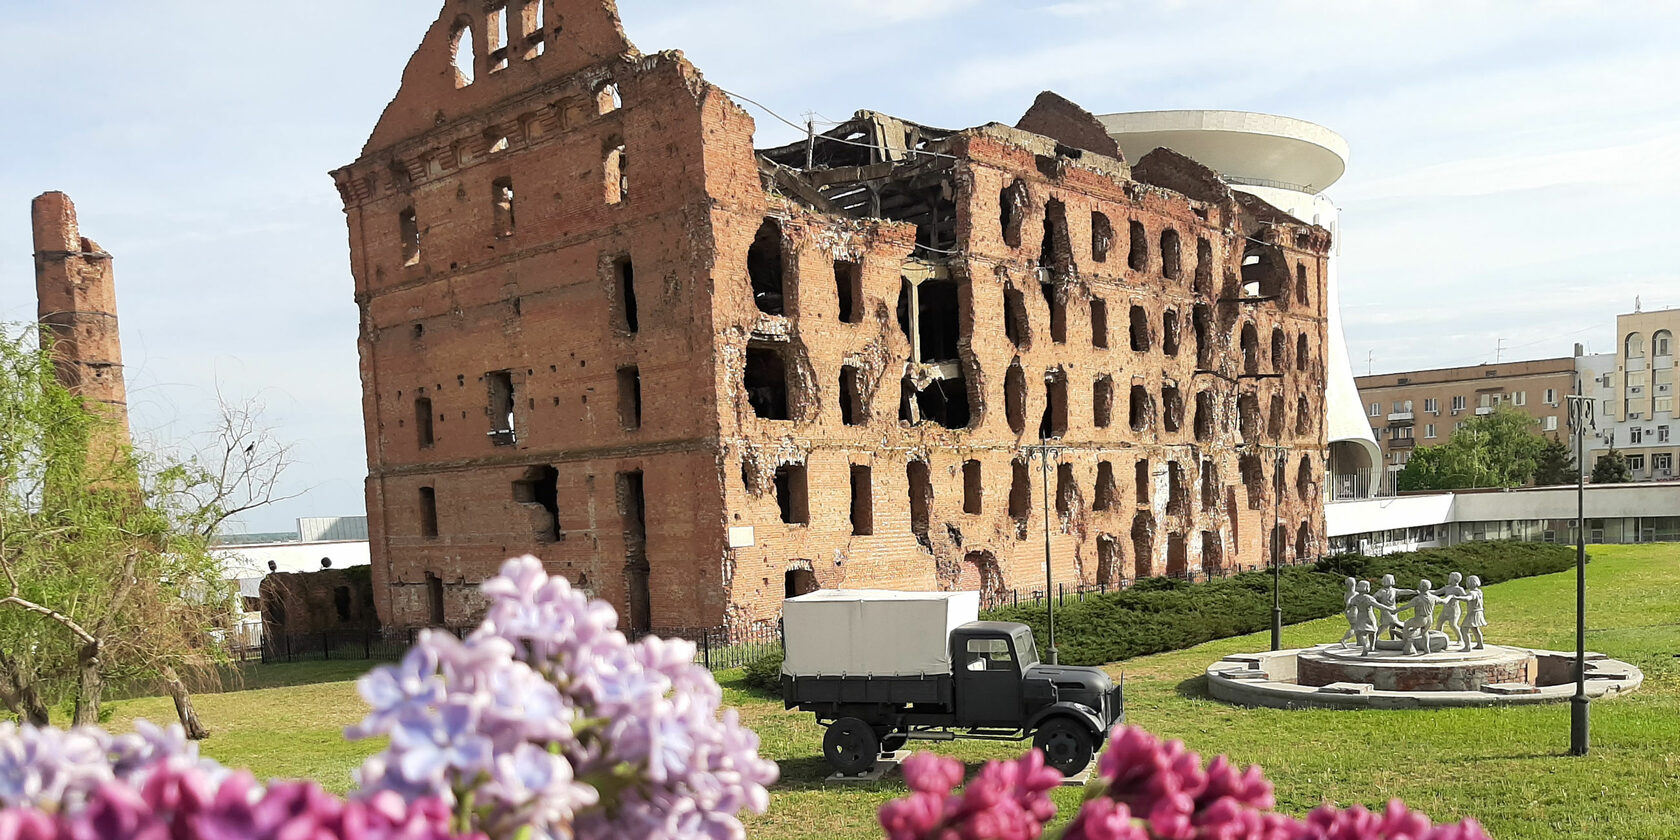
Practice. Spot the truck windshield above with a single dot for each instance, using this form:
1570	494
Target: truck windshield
1028	651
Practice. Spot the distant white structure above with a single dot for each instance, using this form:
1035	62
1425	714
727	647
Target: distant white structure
1615	513
1288	163
248	564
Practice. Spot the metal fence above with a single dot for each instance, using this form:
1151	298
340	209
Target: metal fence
722	648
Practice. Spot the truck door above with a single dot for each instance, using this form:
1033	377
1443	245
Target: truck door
988	683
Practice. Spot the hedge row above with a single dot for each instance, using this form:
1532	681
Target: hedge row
1159	614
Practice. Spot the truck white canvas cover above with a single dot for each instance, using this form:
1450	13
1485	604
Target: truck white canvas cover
873	632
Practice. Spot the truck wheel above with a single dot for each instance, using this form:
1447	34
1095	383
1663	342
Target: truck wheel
1066	743
851	746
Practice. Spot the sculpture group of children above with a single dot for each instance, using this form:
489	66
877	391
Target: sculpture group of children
1371	614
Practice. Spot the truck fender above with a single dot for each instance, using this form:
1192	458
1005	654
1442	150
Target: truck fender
1078	711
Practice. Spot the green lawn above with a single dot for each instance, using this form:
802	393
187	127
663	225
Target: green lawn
1507	767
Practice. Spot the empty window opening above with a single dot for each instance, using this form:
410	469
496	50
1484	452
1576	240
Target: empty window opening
1280	351
632	512
1303	542
1254	480
461	55
1248	418
1303	417
1264	272
863	500
1201	323
1301	283
1169	332
791	495
496	36
987	576
615	169
938	320
1178	490
1177	561
1138	257
848	290
341	603
1012	204
1213	555
428	513
1204	416
1140	336
1015	325
1102	237
1055	299
765	268
1055	422
1015	397
409	226
629	398
1102	402
625	273
1250	350
797	582
973	488
1204	266
607	99
1142	409
1172	408
501	197
1108	561
1274	418
1142	481
1020	496
851	396
1210	485
943	401
423	421
1067	491
766	380
1302	356
502	402
1172	263
1056	250
921	499
1099	323
1304	478
539	492
531	27
1143	546
1106	494
434	599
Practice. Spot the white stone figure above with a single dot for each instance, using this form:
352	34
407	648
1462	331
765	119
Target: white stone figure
1472	620
1451	594
1362	617
1347	610
1389	596
1422	606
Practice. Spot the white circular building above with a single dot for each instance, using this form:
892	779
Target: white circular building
1289	163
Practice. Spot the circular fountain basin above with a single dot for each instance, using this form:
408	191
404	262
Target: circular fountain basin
1341	677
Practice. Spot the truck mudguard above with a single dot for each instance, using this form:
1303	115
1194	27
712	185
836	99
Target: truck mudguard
1078	711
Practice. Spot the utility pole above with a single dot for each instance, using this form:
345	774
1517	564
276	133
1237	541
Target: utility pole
1580	414
1049	600
1277	553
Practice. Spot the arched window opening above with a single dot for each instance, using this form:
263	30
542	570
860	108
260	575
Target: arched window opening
1108	561
1280	545
1142	483
1248	418
1020	496
1204	416
1275	419
1169	332
1177	558
617	172
1055	422
1015	398
1142	409
1213	555
1303	417
1016	327
1204	266
1102	237
1254	480
496	32
1210	485
1172	266
501	195
1304	478
765	268
1301	283
461	55
607	99
1143	546
796	582
1304	547
1280	351
1102	401
1138	257
1068	502
1172	408
1635	346
1201	324
1055	251
1106	493
1250	350
1302	356
921	499
1012	205
1141	339
1178	490
1662	343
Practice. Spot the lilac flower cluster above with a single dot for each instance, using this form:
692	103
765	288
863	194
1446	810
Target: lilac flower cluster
56	771
178	802
1145	790
547	719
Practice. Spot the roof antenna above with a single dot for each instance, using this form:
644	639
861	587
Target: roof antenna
810	140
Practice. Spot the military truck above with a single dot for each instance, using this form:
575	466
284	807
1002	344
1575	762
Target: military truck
879	668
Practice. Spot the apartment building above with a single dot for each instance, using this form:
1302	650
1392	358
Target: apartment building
1633	395
1425	407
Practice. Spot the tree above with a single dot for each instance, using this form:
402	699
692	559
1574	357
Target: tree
105	565
1501	449
1612	468
1555	465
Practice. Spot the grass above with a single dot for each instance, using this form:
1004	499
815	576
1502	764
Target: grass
1506	767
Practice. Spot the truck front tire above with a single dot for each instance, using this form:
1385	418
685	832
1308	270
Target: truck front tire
850	746
1066	743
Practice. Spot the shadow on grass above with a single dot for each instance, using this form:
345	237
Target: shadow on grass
812	774
1194	688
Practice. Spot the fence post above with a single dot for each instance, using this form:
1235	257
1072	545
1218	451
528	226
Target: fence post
367	642
288	638
706	648
326	644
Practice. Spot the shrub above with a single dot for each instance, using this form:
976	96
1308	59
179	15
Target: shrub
765	674
1158	615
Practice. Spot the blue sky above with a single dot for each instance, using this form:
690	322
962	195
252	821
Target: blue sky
1513	163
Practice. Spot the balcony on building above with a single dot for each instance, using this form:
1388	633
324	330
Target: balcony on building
1402	443
1402	418
1484	409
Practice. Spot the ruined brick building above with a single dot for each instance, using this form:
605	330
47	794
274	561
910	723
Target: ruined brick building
598	326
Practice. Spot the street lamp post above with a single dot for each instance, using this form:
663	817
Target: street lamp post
1049	600
1580	414
1277	565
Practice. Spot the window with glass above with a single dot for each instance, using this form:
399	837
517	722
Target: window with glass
989	655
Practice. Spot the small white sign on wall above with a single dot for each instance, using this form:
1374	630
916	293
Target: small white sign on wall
741	536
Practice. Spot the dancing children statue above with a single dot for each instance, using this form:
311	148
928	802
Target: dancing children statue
1472	619
1362	620
1348	591
1423	614
1451	594
1389	596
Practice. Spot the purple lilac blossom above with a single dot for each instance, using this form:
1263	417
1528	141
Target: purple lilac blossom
547	705
55	770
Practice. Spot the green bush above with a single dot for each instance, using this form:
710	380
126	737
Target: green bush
1159	615
765	673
